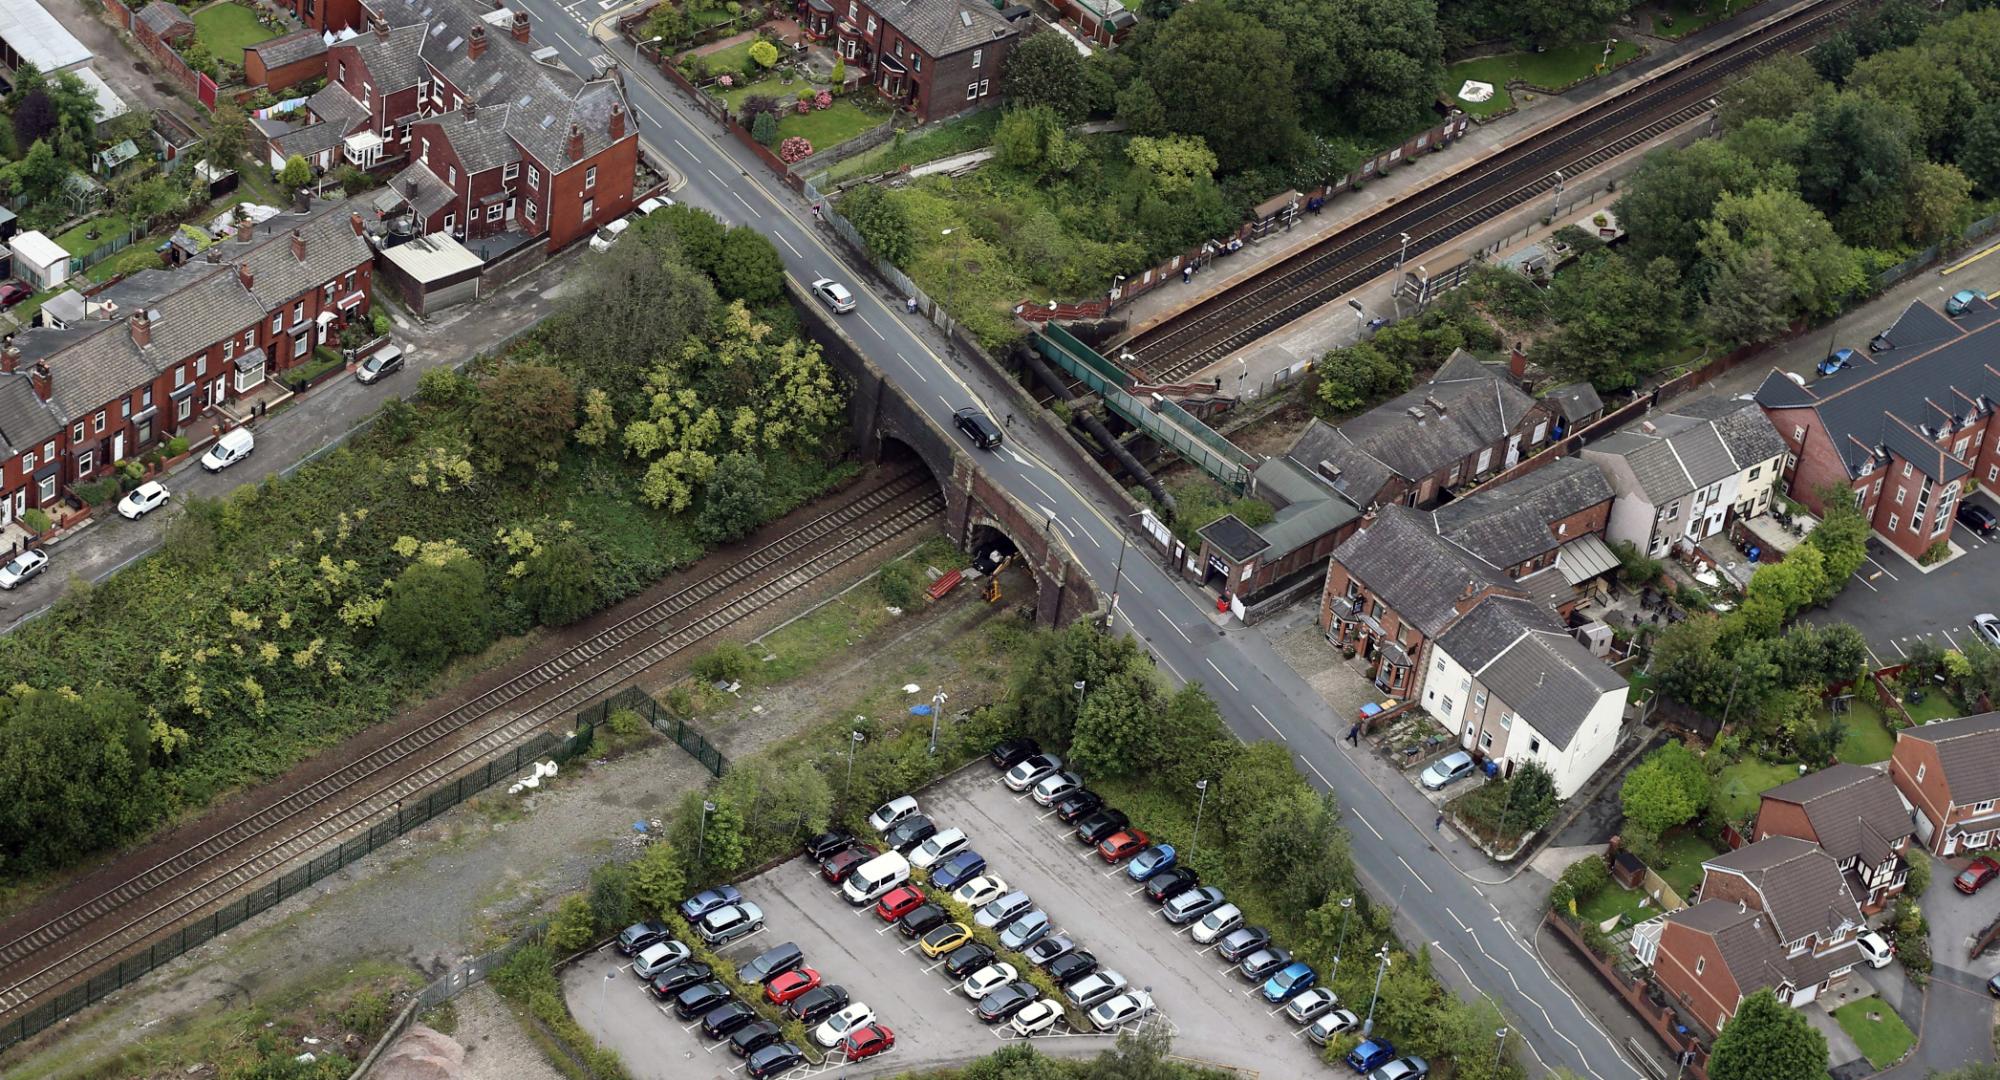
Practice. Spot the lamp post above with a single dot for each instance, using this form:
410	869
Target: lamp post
937	709
608	976
854	740
1346	912
1557	212
1360	317
701	839
1079	686
1117	576
1403	252
1368	1025
957	265
1201	786
1500	1047
1604	62
1714	114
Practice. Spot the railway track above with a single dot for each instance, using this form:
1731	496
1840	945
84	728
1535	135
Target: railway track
56	953
1211	330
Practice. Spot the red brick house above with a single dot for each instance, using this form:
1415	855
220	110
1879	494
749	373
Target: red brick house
931	57
1854	814
1773	915
325	15
285	61
1901	428
1950	774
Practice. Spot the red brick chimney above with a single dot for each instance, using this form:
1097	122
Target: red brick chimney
246	230
381	26
359	230
475	46
520	27
141	323
1517	362
617	121
42	380
244	275
10	356
575	141
298	245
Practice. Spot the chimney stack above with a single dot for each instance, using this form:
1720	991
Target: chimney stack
10	357
298	245
356	219
1517	362
575	141
520	28
475	46
42	380
381	26
245	230
617	121
471	110
244	275
141	322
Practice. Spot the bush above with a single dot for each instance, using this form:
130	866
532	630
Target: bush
764	54
366	1014
764	129
1587	878
900	584
727	662
573	925
37	520
527	978
794	150
445	388
177	446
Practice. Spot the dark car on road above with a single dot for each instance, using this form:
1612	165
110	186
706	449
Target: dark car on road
639	937
1093	829
826	844
1241	942
1072	807
1169	883
1371	1054
1012	752
1977	518
835	867
1072	965
774	1060
817	1005
679	977
910	832
1006	1001
978	427
698	999
1264	963
722	1020
751	1038
922	921
967	959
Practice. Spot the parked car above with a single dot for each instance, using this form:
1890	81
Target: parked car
23	566
379	365
1310	1005
143	500
1241	942
1074	806
13	292
946	843
651	206
608	234
988	979
669	983
791	984
696	1000
834	295
958	869
1093	829
1977	518
967	958
1217	923
658	957
1044	952
1025	931
1264	963
1095	988
230	447
1012	752
771	963
639	937
909	832
866	1041
816	1005
1974	877
1053	787
1448	769
1167	884
707	900
1122	845
1875	949
1029	771
775	1060
834	1028
1961	301
944	939
980	891
1988	625
1880	342
889	813
922	921
1403	1068
1294	978
1192	905
755	1036
1151	861
836	867
1325	1029
1035	1018
980	428
1004	910
900	902
1072	965
725	1018
828	844
1993	986
724	925
1836	361
1122	1010
1372	1053
1004	1002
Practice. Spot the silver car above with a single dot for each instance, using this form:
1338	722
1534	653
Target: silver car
726	924
1095	988
381	364
24	566
657	958
1004	910
1025	774
1448	769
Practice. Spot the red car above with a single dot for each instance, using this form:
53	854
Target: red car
13	292
790	985
836	867
867	1041
1122	845
899	902
1974	878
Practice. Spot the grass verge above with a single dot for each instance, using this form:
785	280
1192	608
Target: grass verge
1876	1029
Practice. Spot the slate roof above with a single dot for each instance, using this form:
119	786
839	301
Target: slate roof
1692	446
1551	681
197	316
394	61
423	190
1492	627
1360	474
165	19
1801	885
1416	572
1575	401
480	141
1509	523
289	49
334	105
305	141
1481	406
25	420
943	27
1853	810
332	248
1969	750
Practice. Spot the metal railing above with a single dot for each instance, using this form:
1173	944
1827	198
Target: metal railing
660	719
1172	426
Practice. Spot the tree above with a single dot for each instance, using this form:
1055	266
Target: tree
1045	70
668	24
883	222
1855	164
658	880
438	610
734	502
611	894
572	925
1820	272
1666	789
524	416
1773	90
1223	77
1935	96
1613	316
1767	1040
38	176
1355	376
639	304
1672	193
1749	300
1035	141
1940	204
764	128
200	57
296	173
79	770
1115	729
1979	157
698	233
1173	164
1139	107
35	118
763	53
559	585
228	134
1374	64
748	267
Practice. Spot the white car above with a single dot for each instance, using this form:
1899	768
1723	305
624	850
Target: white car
25	565
651	205
608	234
889	813
1054	786
1324	1029
839	1024
1876	949
980	891
938	848
1036	1017
1032	770
1122	1010
1311	1005
143	500
1989	628
988	979
1217	923
834	295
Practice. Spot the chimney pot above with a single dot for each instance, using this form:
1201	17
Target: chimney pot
575	141
298	245
617	121
381	26
142	328
42	379
520	28
475	46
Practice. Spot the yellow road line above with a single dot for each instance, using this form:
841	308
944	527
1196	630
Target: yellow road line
1970	259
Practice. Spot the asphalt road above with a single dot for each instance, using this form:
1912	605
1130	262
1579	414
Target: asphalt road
1476	950
1896	605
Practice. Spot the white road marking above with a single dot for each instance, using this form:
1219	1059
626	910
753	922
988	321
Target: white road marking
1127	578
1414	874
1038	487
947	404
1175	670
1087	533
1864	581
1176	626
788	243
1882	568
1948	637
1227	679
745	202
684	148
1899	648
869	325
1357	816
644	113
1459	921
1267	720
1329	784
711	172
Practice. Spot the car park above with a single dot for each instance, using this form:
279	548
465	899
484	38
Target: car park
669	983
379	365
143	500
1151	861
231	447
1875	949
1094	989
1448	769
755	1036
909	832
1167	884
900	902
1035	1018
967	958
980	428
816	1005
1292	979
988	979
1403	1068
1310	1005
958	869
939	846
866	883
1004	910
698	999
1332	1025
771	963
1264	963
1122	845
1217	923
922	921
835	1028
1192	905
834	295
944	939
1122	1010
867	1041
1074	806
707	900
980	891
1030	771
1024	931
1012	752
775	1060
824	846
889	813
658	957
1072	965
23	566
727	924
1371	1054
1093	829
1052	788
835	867
791	984
1241	942
1961	301
1974	877
639	937
1988	626
1004	1002
1977	518
721	1021
1044	952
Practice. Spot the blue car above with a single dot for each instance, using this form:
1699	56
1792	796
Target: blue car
958	870
1291	980
1836	361
1370	1055
1961	300
1150	861
707	900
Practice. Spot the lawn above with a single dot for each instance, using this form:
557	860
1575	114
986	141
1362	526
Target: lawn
1685	852
227	29
1556	69
1678	18
1868	739
1936	705
941	141
1882	1036
80	241
734	58
1739	786
1615	899
821	127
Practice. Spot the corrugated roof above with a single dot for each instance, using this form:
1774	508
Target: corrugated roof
433	258
38	38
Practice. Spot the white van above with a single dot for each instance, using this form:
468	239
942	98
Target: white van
234	445
875	877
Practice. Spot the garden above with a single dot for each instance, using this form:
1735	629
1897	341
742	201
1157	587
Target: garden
1676	19
1554	69
227	28
782	96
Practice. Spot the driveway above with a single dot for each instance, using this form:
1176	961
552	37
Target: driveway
1957	1015
1894	605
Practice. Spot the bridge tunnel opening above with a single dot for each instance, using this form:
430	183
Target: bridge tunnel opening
1006	575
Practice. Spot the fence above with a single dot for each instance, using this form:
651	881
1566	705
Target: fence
408	814
1976	231
98	254
442	989
1638	995
662	720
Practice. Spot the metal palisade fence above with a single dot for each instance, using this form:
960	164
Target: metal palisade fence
660	719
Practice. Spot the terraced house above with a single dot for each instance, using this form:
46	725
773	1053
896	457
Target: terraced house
1682	474
934	58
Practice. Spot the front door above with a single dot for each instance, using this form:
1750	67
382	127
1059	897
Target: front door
118	447
1513	451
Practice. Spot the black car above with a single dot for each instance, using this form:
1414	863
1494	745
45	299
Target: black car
1072	807
827	844
1044	952
983	432
724	1019
1262	963
771	963
679	977
1012	752
966	959
774	1060
1977	518
1169	883
1241	942
753	1037
815	1005
1879	342
1007	1000
910	832
1101	824
696	1000
923	920
1072	965
639	937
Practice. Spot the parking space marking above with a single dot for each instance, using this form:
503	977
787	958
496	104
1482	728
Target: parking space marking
1953	640
1864	581
1414	874
1884	569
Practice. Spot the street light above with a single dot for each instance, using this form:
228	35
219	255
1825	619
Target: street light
937	709
1403	252
1604	63
854	739
1078	686
1557	212
1346	912
1368	1025
1117	576
1714	114
1499	1050
1201	786
957	267
1241	372
608	976
701	839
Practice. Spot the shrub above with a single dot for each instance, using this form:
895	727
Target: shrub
37	520
795	149
804	106
445	388
381	324
573	924
177	446
1587	878
764	128
900	584
1936	553
366	1014
764	54
727	662
823	100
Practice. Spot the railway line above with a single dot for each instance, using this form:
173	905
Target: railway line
1210	330
36	960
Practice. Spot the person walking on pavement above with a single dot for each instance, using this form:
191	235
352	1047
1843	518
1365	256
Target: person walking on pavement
1439	823
1354	734
1008	423
1187	274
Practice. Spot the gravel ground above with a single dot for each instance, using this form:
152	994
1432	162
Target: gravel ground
495	1046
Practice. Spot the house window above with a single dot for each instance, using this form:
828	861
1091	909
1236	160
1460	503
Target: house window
534	177
277	322
1798	433
1860	494
76	432
145	402
424	150
493	212
589	209
1440	663
1754	470
916	60
367	94
512	171
326	292
28	461
298	313
982	87
45	491
1479	699
98	424
1700	963
451	175
1486	740
531	210
1506	721
184	407
1982	808
84	462
1892	523
340	70
978	57
1877	489
1899	496
450	222
871	25
1906	470
899	47
1958	449
201	362
180	377
853	11
1447	704
590	178
1534	745
971	91
1993	474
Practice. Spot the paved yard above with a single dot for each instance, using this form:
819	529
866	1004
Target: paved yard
1894	606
